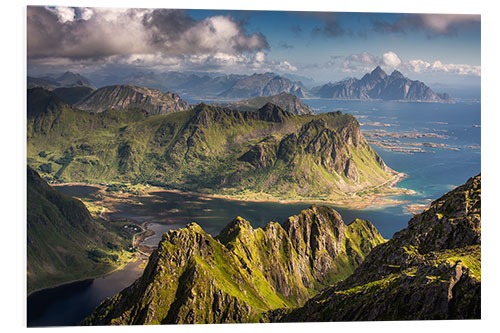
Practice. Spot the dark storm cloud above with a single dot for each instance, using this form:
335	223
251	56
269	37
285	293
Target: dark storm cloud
95	33
432	24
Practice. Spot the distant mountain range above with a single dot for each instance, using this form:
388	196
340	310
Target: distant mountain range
67	79
377	85
287	102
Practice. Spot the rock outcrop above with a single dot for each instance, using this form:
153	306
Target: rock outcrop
193	277
430	270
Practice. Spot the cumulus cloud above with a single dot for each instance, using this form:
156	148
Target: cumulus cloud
421	66
365	62
84	33
433	24
391	59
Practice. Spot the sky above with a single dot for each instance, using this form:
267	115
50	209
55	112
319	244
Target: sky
322	46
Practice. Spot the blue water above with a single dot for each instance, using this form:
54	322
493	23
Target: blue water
430	174
437	171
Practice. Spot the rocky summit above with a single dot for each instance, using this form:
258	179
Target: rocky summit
430	270
121	97
379	85
193	277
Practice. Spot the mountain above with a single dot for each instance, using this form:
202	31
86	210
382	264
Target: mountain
379	85
267	84
67	79
285	101
64	242
210	85
73	95
194	278
268	153
430	270
121	97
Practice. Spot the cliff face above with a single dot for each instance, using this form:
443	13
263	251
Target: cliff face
121	97
430	270
243	272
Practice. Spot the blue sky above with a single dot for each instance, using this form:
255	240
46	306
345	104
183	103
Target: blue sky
323	46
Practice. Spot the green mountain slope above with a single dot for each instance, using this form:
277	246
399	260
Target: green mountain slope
430	270
123	97
64	242
73	95
236	276
285	101
269	153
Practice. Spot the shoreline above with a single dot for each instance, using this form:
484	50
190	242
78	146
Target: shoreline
352	201
88	278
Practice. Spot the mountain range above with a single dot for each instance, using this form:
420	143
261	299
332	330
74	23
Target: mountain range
285	101
377	85
66	79
267	153
430	270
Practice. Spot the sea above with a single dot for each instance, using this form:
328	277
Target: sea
444	142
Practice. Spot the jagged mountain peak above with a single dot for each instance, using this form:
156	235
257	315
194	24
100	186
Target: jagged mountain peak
397	74
194	278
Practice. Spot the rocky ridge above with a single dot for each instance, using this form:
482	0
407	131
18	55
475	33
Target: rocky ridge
122	97
193	277
430	270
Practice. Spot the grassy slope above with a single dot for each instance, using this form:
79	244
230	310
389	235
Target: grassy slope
198	150
64	242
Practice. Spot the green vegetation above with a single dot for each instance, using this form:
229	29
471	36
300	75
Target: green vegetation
243	272
430	270
266	154
64	242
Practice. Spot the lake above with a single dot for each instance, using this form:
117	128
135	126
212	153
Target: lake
431	174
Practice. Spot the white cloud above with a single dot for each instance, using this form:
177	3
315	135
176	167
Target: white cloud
366	62
443	23
391	59
64	14
421	66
